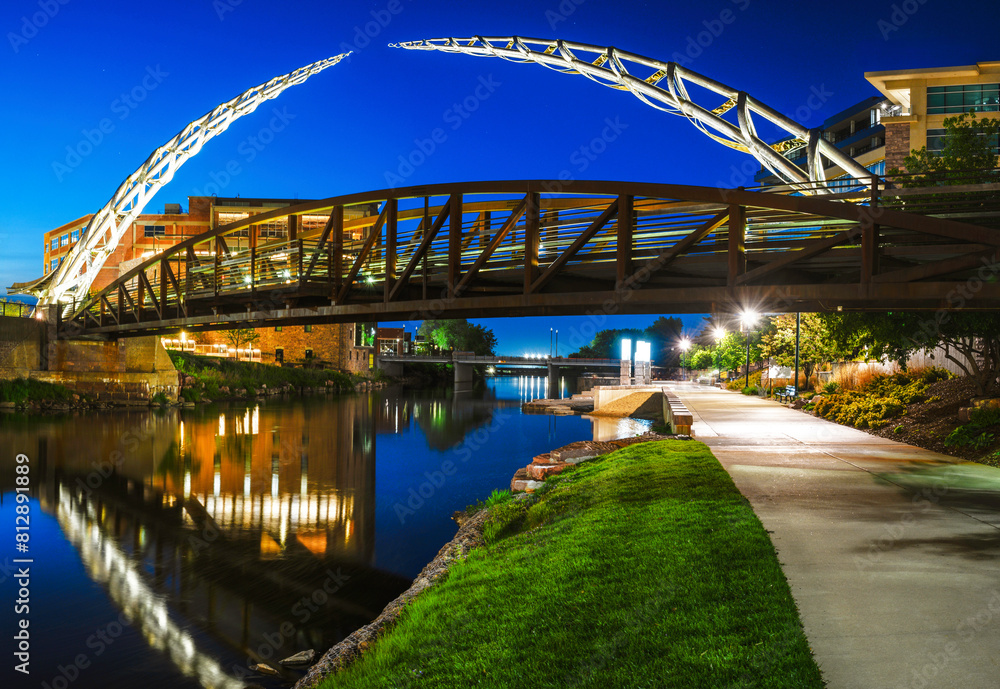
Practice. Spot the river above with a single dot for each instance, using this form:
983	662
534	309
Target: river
172	548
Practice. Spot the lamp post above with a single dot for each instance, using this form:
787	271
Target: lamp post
749	318
550	343
685	345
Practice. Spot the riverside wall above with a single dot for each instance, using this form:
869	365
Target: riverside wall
127	370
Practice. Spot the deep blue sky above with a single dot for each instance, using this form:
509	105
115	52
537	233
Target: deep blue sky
64	75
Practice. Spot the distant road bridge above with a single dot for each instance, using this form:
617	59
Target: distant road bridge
394	364
542	248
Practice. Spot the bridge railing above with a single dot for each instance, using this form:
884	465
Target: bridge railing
17	309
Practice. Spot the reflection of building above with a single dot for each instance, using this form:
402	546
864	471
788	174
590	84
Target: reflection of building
217	524
923	98
152	233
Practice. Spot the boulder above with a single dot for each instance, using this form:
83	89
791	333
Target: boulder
815	399
301	658
540	472
265	669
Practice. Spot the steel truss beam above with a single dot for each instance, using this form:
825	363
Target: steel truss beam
618	69
73	278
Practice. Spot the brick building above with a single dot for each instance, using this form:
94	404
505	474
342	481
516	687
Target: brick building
344	346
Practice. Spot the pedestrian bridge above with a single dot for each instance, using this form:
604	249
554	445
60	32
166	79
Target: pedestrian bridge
552	247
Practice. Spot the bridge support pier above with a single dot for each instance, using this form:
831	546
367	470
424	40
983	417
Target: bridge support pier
463	373
552	391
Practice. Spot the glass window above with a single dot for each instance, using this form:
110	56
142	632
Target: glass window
962	98
277	328
309	328
155	230
55	243
936	140
74	236
309	354
64	240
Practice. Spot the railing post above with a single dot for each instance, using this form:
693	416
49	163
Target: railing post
338	248
531	223
390	247
455	244
870	236
624	242
301	249
736	254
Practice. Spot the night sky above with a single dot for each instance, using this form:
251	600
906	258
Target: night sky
68	64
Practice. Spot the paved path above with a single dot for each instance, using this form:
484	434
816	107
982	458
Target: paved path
892	552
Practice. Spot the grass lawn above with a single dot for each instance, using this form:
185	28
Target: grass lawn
643	568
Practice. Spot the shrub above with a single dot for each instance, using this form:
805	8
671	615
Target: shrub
880	399
159	398
21	390
831	387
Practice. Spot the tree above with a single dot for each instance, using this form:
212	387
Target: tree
969	339
731	351
607	343
816	346
703	358
663	334
969	143
242	338
459	335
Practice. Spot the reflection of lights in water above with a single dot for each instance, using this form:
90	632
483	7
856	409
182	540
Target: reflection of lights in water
187	484
222	424
107	564
217	483
246	484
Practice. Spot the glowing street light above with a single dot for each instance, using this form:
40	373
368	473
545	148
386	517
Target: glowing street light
685	345
749	319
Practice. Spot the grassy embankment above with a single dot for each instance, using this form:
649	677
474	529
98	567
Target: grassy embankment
216	378
643	568
23	390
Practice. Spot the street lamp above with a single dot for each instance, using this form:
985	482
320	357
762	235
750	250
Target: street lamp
749	319
685	345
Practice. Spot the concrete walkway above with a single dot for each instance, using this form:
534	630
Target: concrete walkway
892	552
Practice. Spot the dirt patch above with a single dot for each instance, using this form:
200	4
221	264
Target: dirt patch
640	405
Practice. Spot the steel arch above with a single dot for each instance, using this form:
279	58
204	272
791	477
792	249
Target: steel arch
611	67
102	234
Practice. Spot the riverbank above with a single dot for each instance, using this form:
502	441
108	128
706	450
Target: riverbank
204	379
644	567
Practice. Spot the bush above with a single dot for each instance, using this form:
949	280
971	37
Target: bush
737	383
831	387
160	399
880	399
976	433
21	390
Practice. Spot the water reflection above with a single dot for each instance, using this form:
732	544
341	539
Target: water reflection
233	534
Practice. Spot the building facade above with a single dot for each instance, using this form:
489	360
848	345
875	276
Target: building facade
922	99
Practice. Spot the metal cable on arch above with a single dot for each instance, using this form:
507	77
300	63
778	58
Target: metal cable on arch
614	68
100	237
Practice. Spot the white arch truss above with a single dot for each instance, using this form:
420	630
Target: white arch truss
101	236
664	86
